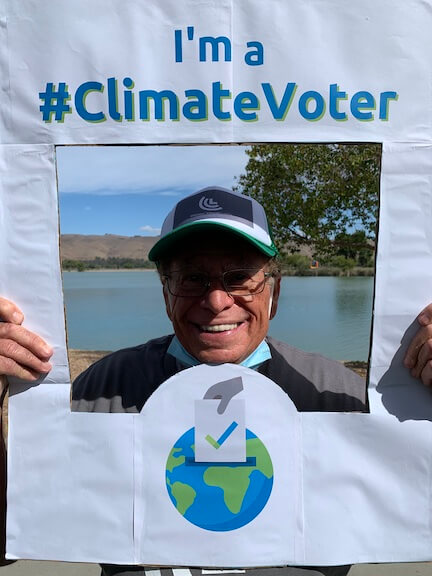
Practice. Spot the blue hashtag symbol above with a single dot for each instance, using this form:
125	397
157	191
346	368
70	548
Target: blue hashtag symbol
55	102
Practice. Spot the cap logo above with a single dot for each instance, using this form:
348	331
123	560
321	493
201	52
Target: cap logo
213	204
208	204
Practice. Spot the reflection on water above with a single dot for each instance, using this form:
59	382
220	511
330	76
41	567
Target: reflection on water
331	316
110	310
351	296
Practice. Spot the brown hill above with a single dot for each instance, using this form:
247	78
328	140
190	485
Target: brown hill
82	247
89	247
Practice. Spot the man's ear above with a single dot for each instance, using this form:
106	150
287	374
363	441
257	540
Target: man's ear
276	292
167	298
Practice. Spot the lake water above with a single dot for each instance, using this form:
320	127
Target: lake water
111	310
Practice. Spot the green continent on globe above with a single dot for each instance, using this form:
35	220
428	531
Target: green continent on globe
174	460
183	494
254	447
234	481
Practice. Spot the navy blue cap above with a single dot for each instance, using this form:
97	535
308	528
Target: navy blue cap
212	208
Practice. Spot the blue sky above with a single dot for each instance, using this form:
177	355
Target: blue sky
128	190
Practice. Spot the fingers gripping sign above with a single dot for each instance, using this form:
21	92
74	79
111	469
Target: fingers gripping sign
23	354
418	357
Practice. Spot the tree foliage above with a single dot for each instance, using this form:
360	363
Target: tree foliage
313	193
356	247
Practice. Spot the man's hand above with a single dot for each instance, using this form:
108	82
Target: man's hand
22	353
418	357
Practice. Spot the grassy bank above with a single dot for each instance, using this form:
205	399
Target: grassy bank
293	265
323	271
329	271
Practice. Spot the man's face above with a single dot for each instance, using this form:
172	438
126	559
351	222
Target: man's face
217	327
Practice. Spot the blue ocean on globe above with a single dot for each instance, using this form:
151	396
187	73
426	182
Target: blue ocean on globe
222	496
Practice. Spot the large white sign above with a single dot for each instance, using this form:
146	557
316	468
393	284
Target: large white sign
123	72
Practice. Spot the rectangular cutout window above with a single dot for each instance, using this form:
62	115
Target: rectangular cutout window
321	200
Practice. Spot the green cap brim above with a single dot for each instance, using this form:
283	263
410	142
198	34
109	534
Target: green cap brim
165	246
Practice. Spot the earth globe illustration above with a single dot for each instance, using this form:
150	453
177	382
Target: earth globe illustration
219	496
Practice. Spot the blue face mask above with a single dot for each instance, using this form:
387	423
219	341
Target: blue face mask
258	356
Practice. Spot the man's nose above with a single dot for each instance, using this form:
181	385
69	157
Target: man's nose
217	298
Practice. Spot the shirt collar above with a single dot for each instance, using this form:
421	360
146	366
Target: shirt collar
258	356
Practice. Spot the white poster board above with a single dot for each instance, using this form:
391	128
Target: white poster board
111	72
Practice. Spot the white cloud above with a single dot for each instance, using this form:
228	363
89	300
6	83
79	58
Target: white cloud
165	170
170	193
150	230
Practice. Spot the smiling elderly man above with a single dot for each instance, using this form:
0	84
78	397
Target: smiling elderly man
221	287
216	261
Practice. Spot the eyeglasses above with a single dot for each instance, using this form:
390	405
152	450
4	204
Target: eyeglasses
193	284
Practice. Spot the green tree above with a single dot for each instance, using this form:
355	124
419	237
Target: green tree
297	262
345	264
355	246
313	192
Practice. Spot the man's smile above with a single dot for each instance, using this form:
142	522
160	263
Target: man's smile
219	327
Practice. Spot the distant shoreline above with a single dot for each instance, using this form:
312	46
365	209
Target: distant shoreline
113	270
323	273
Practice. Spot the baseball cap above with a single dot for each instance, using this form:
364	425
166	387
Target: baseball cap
212	208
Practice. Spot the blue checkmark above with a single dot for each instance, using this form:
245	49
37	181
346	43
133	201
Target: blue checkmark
223	437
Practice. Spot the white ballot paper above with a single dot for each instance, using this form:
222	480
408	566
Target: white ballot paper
220	434
220	437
